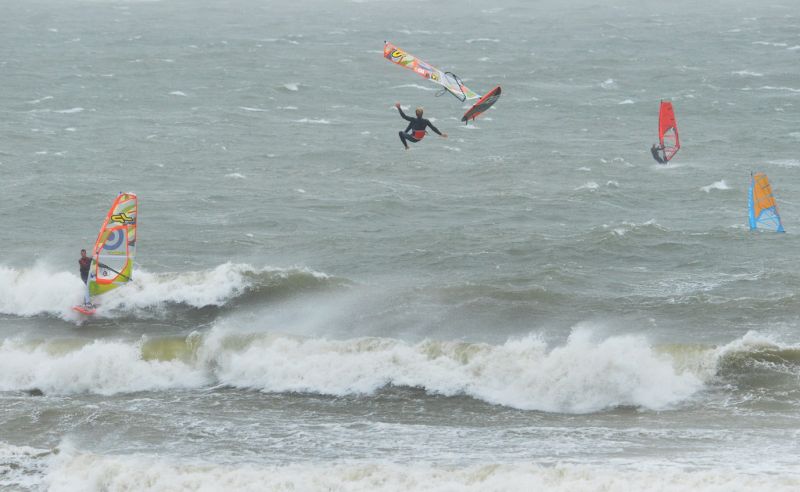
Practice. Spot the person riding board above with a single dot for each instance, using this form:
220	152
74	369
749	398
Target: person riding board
655	151
85	263
415	131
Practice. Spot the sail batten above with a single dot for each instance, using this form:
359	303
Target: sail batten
115	247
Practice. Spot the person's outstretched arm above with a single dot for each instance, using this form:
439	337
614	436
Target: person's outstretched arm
402	114
436	130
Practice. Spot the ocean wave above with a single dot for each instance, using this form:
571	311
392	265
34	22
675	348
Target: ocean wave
67	469
625	228
41	291
756	356
584	375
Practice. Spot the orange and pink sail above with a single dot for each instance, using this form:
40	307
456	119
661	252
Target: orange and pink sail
668	138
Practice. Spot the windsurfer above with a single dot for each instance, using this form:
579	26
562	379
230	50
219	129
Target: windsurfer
655	151
85	263
415	131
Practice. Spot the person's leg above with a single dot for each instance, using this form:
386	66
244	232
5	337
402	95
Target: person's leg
405	137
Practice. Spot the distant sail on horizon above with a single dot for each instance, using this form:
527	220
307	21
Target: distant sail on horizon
113	252
762	209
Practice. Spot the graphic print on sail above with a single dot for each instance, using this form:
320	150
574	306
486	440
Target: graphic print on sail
668	131
762	209
114	250
449	81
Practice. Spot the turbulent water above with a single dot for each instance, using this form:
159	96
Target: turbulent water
530	304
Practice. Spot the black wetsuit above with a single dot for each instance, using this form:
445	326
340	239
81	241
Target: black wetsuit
654	150
415	126
85	264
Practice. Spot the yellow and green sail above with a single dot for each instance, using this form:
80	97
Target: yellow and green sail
112	256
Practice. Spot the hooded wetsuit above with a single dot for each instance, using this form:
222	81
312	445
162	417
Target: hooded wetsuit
415	131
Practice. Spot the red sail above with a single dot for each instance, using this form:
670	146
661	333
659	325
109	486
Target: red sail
668	130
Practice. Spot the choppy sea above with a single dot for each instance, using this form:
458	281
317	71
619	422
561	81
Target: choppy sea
530	304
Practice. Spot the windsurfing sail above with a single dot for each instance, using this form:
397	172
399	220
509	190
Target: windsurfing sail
761	204
449	81
112	256
668	131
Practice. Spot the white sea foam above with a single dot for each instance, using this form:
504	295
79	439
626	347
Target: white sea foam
416	86
782	88
769	43
320	121
747	73
257	110
40	290
717	185
608	84
483	40
589	185
586	374
292	86
37	101
523	373
626	101
102	367
69	111
235	176
198	289
178	93
73	471
785	162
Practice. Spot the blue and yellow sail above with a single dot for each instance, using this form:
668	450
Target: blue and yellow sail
763	211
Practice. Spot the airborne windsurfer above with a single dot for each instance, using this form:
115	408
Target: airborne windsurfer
655	151
415	131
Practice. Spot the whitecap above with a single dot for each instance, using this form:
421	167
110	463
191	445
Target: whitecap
717	185
747	73
315	121
589	185
608	84
69	111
